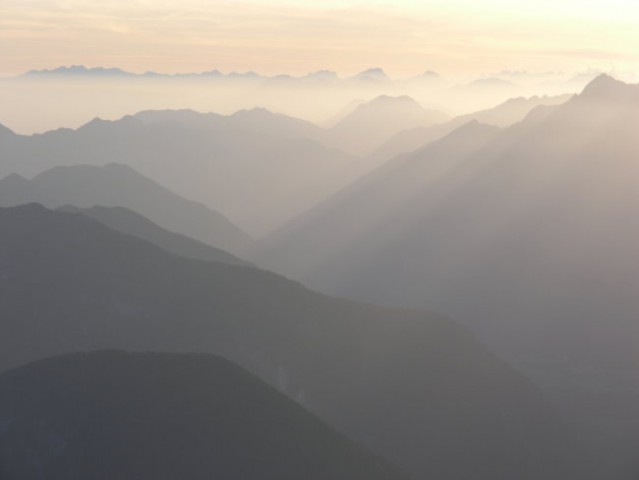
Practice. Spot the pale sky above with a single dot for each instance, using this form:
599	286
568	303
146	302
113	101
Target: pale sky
404	37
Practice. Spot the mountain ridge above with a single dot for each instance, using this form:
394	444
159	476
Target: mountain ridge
410	385
143	416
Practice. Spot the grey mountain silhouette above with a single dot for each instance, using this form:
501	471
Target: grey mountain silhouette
371	76
258	168
112	414
255	120
6	132
80	70
503	115
409	385
118	185
370	124
127	221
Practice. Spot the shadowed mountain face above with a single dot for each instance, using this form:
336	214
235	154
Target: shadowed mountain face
127	221
151	416
118	185
409	385
529	238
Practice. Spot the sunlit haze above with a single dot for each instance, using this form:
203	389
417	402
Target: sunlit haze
319	239
453	37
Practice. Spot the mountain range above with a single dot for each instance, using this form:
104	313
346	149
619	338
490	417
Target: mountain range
371	123
256	167
409	385
503	115
113	185
527	235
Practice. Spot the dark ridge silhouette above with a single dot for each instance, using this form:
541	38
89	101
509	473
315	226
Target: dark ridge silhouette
154	416
528	238
118	185
408	385
127	221
6	132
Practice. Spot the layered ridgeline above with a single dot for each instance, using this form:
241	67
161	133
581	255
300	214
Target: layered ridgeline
85	186
259	168
127	221
529	235
503	115
153	416
370	124
409	385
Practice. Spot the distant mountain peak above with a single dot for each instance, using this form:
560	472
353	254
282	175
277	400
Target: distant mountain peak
80	70
253	112
373	74
390	98
6	131
98	123
474	127
14	178
94	122
606	87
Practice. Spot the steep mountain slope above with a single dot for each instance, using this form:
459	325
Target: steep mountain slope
409	385
530	239
118	185
503	115
127	221
153	416
355	217
549	187
258	168
5	132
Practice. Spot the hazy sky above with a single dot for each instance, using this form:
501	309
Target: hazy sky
273	36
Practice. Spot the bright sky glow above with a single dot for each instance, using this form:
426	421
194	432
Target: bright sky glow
405	37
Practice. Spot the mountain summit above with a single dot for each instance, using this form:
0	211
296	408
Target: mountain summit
607	88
